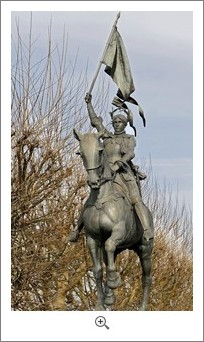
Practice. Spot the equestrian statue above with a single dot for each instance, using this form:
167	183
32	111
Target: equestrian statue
114	216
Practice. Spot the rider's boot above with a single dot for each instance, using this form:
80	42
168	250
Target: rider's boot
146	222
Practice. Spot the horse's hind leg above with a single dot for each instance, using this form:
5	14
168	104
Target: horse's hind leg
95	252
145	254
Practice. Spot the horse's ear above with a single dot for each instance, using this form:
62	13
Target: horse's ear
77	134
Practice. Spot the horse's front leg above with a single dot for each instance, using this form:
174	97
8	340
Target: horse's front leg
95	252
109	293
113	277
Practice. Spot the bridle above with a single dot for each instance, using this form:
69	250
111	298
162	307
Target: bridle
102	179
94	168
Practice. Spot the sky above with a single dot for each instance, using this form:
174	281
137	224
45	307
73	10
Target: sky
161	39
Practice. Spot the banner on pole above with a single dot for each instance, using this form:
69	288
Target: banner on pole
118	68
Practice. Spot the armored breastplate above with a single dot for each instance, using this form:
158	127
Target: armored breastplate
113	150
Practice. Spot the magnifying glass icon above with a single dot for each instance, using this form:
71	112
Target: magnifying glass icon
100	321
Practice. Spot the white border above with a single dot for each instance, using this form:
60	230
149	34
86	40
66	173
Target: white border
124	326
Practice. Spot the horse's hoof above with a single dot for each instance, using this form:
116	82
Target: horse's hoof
73	236
142	308
100	308
109	300
114	282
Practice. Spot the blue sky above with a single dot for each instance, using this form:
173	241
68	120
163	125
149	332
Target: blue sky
160	49
160	38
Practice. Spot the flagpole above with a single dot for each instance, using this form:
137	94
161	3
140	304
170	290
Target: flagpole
100	63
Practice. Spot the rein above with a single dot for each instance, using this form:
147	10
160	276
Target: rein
106	179
94	168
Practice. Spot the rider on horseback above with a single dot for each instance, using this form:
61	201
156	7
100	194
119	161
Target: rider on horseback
119	148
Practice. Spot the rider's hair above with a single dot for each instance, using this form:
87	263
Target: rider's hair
122	117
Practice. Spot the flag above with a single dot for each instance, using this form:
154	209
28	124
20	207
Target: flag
117	65
118	68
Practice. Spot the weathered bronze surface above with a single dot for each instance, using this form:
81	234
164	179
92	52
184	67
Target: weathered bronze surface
114	216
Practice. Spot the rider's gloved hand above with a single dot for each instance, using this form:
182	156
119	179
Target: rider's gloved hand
88	98
116	166
120	164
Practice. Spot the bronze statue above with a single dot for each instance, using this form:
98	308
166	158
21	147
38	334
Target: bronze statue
114	216
111	225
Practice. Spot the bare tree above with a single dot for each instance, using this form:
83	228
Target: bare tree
47	184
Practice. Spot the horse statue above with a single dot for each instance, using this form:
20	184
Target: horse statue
110	224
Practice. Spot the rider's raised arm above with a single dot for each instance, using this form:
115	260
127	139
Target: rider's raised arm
96	121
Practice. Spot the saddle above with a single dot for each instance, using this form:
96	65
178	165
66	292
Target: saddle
101	201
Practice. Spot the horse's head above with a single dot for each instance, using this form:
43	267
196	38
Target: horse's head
91	153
